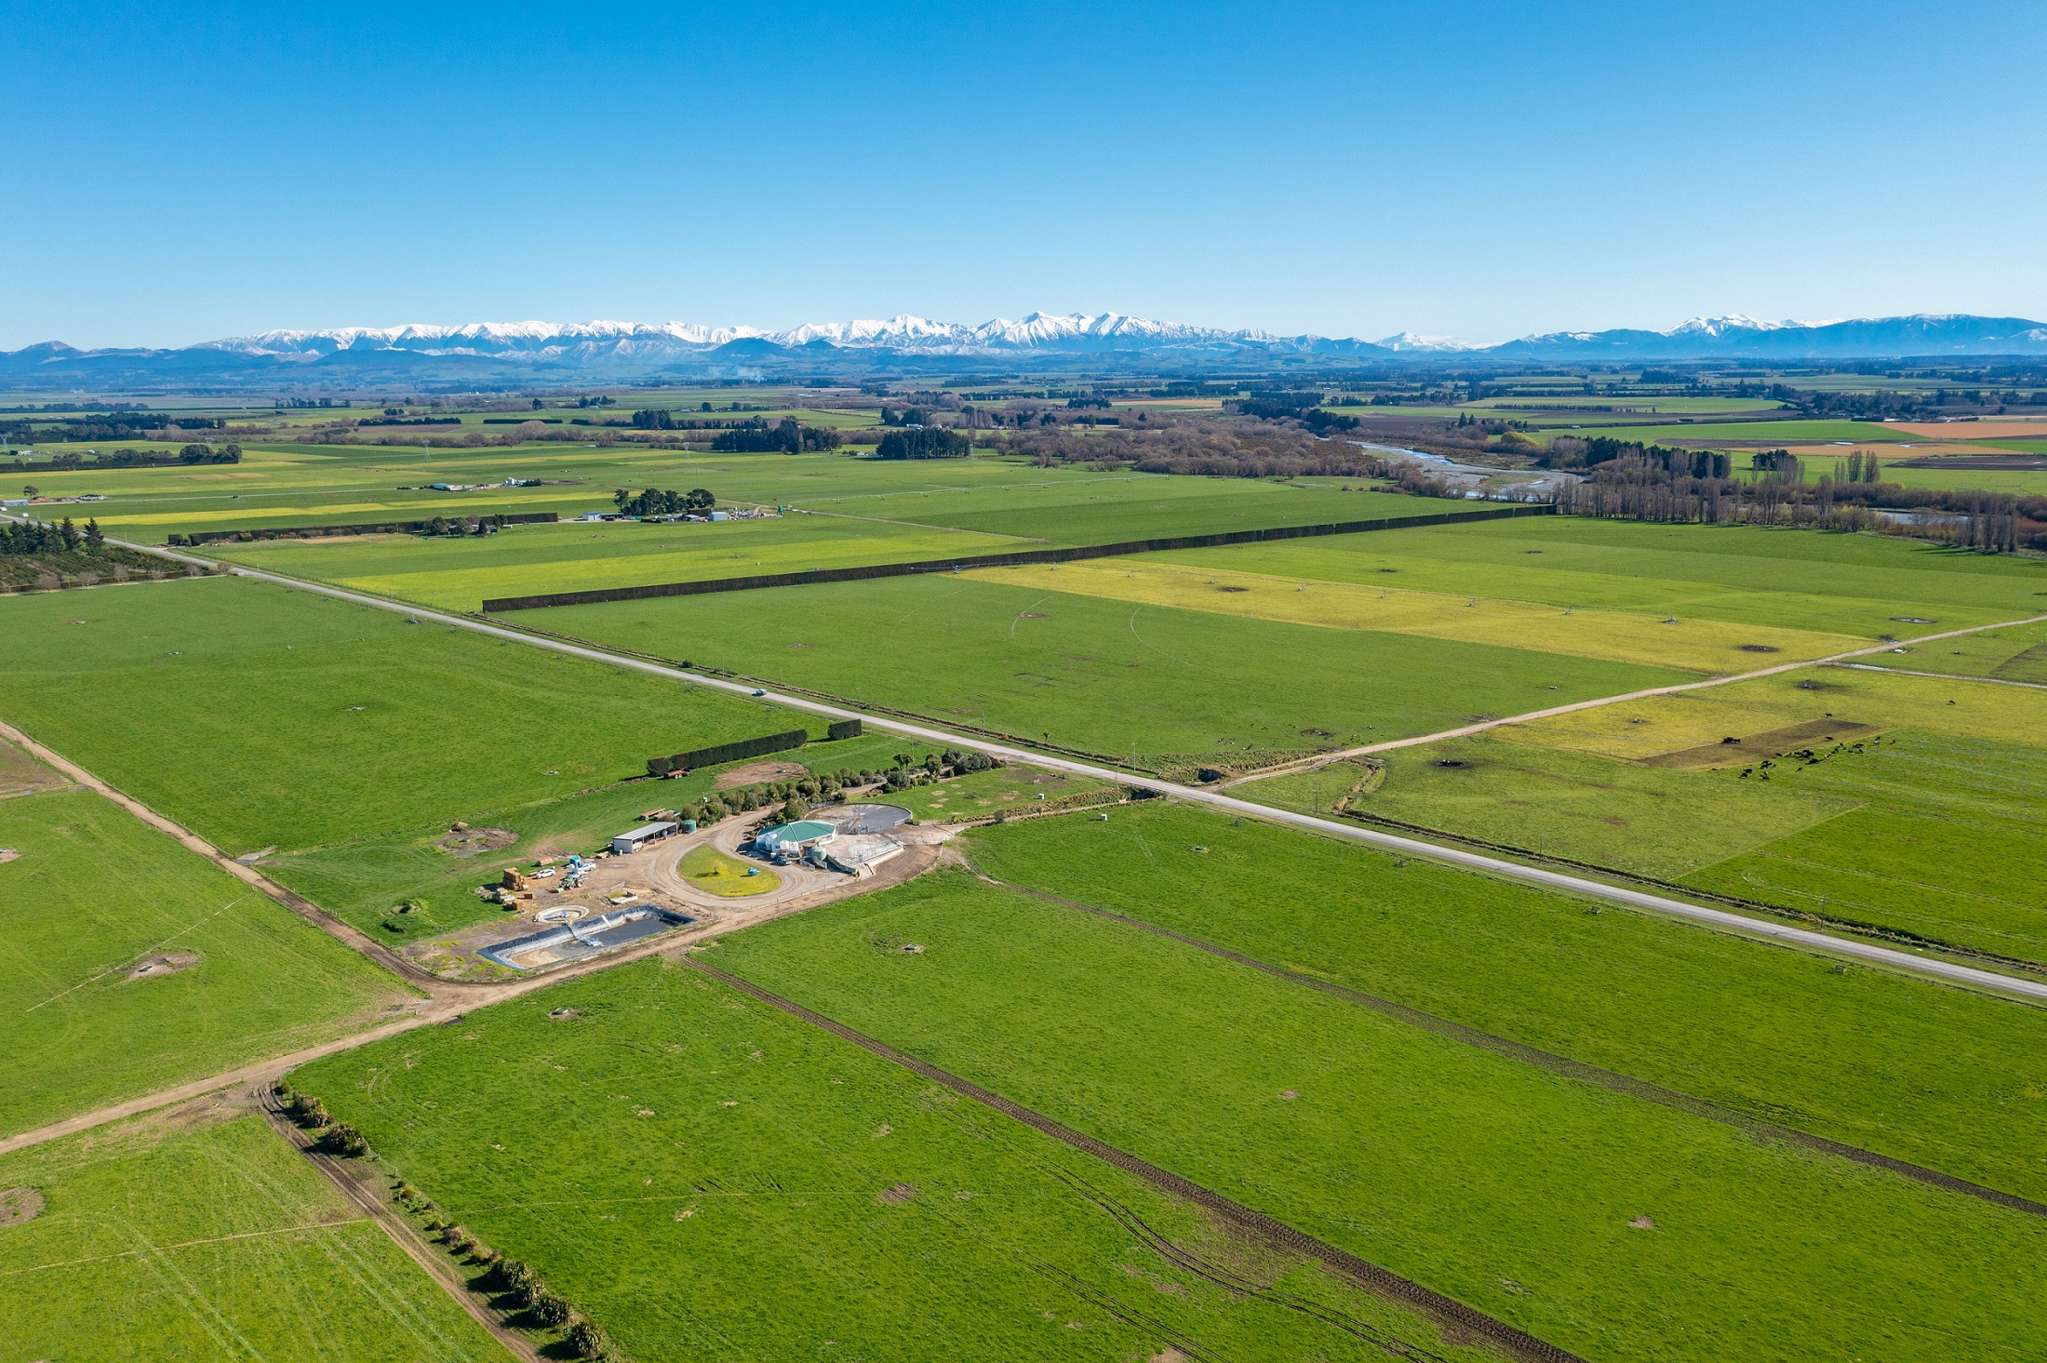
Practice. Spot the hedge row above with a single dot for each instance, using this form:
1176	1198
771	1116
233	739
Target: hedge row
727	752
843	728
308	532
814	576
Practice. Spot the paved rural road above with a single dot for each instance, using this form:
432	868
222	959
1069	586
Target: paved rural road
2031	990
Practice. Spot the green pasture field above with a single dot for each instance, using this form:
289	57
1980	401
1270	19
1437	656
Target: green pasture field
1944	1077
1484	1178
282	483
261	717
2015	653
1795	431
164	1241
1623	404
459	574
1147	686
93	893
1789	579
1408	414
704	1176
2020	482
1866	383
999	791
1114	509
1703	645
364	879
1932	826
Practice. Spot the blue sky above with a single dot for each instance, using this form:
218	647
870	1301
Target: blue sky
179	173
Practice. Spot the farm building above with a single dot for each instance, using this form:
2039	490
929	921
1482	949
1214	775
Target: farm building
633	839
793	839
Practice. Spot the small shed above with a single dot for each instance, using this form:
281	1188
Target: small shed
633	839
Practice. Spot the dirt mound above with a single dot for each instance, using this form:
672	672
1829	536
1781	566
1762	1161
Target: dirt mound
895	1194
755	773
7	854
18	1205
163	963
1773	743
468	842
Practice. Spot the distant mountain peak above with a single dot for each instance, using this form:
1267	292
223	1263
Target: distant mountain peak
1415	340
567	352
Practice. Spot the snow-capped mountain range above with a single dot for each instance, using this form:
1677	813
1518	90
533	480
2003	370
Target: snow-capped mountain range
568	352
905	331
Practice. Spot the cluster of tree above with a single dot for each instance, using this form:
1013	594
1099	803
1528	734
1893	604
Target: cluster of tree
1323	423
1283	404
38	537
654	419
1212	448
230	453
796	796
788	436
1861	466
461	525
656	501
923	442
1635	487
1573	452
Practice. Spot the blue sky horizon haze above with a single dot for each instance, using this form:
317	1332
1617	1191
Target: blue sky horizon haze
179	174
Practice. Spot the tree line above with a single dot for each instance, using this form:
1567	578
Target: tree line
41	537
1636	487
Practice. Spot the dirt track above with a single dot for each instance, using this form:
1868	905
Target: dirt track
360	1191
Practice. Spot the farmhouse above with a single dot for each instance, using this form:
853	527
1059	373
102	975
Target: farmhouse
633	839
